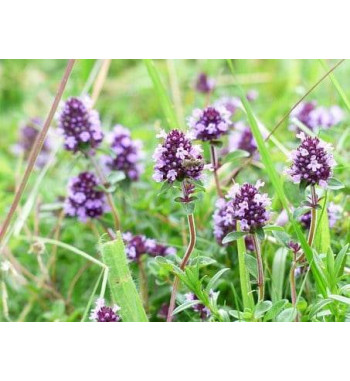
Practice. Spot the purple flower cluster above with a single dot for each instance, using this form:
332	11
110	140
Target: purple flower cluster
177	158
80	125
312	161
127	154
313	116
225	222
137	245
249	206
203	311
242	138
205	84
230	104
104	314
28	135
84	200
209	124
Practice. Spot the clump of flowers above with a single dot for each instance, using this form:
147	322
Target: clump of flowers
249	206
312	162
313	116
210	123
242	138
202	310
138	245
177	158
28	135
80	125
84	200
204	84
104	314
128	154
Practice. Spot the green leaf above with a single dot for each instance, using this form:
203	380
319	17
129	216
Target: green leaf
115	177
276	308
335	184
287	315
300	211
340	260
341	299
319	306
278	274
261	308
189	207
270	228
252	264
233	236
163	97
165	187
185	306
215	278
121	284
322	235
235	156
260	233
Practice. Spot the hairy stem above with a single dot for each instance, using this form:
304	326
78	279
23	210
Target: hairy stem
312	230
215	168
261	281
190	247
36	150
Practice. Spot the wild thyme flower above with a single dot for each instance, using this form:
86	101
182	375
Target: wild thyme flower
313	116
312	162
80	125
177	158
137	245
224	222
104	314
203	311
252	95
28	135
205	84
209	124
249	206
128	153
242	138
84	200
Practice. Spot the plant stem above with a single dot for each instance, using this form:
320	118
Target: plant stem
293	290
215	168
190	247
36	150
313	216
103	180
261	281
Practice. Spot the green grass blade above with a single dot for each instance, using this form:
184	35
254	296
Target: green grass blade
247	296
278	274
164	99
322	237
278	186
121	284
88	306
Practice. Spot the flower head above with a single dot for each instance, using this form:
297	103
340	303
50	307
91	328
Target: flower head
313	116
128	153
248	206
104	314
312	161
28	135
230	104
84	200
177	158
203	311
209	124
80	125
243	139
205	84
137	245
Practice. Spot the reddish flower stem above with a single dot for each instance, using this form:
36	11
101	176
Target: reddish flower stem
215	168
